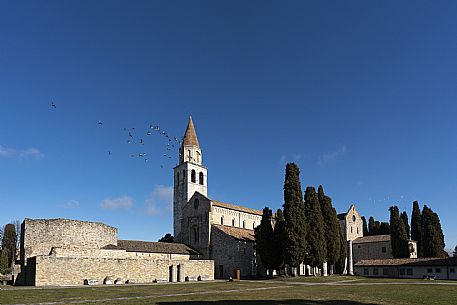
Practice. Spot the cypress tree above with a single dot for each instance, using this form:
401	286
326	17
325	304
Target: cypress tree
365	226
432	234
398	237
279	237
331	228
404	218
371	226
4	267
264	240
168	238
384	228
339	266
416	227
9	241
294	215
317	247
377	228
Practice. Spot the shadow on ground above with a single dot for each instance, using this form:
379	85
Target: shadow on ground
267	302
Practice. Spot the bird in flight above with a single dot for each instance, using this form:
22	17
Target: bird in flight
100	123
53	105
109	152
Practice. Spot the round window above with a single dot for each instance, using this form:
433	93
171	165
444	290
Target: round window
196	203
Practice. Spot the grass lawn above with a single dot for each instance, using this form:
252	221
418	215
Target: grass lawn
291	291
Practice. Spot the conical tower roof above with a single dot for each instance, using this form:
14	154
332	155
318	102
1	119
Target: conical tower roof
190	137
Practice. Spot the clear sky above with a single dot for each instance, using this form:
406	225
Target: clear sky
362	95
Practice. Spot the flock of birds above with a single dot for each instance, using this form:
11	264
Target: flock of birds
133	136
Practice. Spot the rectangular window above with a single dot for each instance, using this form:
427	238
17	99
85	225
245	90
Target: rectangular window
402	271
365	271
383	250
375	271
409	271
438	270
385	271
358	247
429	270
452	270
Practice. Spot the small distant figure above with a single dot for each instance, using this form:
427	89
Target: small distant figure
53	105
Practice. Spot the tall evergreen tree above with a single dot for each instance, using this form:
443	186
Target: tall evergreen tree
294	215
404	218
371	226
340	263
331	228
432	234
4	266
416	227
279	238
398	237
264	240
9	241
317	247
167	238
365	226
384	228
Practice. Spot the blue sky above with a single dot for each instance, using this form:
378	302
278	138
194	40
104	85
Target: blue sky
360	94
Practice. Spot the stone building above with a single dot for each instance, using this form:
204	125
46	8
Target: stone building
220	231
432	268
351	226
377	247
73	252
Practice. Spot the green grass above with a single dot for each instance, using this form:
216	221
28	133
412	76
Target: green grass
289	291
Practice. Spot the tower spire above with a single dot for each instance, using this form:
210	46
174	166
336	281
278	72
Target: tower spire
190	137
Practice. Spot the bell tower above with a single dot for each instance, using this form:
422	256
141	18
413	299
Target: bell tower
190	176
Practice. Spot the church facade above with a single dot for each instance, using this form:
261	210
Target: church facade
220	231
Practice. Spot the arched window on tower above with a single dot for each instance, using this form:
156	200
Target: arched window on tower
200	178
189	155
222	220
253	225
198	157
233	222
192	176
244	224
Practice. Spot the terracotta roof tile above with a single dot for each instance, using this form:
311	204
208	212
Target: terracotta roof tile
190	137
237	233
236	207
424	261
371	239
153	247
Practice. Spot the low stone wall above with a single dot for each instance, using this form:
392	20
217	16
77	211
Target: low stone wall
57	271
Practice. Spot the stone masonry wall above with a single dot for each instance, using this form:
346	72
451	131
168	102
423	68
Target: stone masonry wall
41	235
240	219
232	254
362	251
51	270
